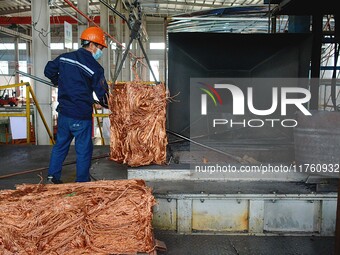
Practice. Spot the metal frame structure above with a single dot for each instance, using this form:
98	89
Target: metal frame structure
150	7
134	24
191	213
189	206
95	115
27	114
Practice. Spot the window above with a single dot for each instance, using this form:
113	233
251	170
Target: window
57	46
155	68
22	46
23	66
4	67
115	47
10	46
157	46
7	46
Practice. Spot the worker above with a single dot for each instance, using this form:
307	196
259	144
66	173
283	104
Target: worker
77	75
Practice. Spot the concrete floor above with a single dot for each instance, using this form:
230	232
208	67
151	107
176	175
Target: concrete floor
244	245
19	158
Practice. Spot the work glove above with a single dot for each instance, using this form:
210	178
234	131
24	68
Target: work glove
104	101
102	104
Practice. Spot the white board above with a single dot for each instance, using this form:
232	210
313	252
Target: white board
18	127
68	35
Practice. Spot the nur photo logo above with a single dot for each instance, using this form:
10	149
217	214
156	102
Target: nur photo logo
212	93
243	104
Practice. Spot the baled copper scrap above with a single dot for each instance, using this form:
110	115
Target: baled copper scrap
103	217
138	115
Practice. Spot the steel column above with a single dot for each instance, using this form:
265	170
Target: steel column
83	6
119	35
41	55
315	61
28	114
337	227
105	25
16	63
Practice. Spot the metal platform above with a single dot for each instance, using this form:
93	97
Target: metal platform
265	204
245	213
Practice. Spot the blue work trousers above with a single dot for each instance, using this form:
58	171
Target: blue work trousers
81	130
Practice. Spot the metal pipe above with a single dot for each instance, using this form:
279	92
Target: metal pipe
12	114
116	12
69	14
36	78
15	33
241	19
14	85
310	197
28	114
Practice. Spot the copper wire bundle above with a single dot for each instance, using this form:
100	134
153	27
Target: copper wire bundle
138	134
103	217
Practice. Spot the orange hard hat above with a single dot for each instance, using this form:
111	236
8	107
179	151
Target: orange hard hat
94	34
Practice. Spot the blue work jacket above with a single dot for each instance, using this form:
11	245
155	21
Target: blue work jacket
77	75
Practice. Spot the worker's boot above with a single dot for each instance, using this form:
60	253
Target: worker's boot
52	180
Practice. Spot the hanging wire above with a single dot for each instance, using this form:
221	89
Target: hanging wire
328	54
42	33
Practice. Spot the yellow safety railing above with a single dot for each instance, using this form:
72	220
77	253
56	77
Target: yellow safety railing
27	113
97	116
